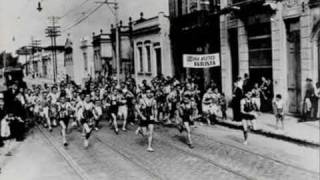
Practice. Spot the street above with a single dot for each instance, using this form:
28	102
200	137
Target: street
218	154
160	90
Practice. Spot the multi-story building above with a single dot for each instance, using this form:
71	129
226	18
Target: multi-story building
195	30
273	39
152	49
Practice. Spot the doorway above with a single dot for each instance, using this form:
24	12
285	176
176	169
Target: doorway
233	42
158	61
294	65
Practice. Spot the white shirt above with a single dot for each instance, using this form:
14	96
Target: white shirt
279	104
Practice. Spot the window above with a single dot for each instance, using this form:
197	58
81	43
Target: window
85	58
148	51
140	58
158	60
197	5
260	49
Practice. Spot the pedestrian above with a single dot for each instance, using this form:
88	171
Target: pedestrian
246	86
87	120
123	107
236	98
208	106
146	110
97	113
187	112
6	135
278	109
113	109
64	117
316	103
2	115
248	115
308	100
307	107
256	92
223	106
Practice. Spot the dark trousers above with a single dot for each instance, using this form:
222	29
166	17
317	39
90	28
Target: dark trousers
314	110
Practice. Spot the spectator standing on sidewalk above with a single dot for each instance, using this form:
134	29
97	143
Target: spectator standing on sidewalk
278	109
317	112
237	96
223	106
267	95
2	114
246	86
307	100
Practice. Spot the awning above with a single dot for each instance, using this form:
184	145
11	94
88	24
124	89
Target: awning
314	3
244	9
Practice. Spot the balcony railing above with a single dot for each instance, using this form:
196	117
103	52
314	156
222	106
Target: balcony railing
192	20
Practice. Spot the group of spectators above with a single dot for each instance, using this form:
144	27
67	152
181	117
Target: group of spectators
311	101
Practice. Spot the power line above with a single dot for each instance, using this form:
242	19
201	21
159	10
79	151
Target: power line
82	19
73	9
83	13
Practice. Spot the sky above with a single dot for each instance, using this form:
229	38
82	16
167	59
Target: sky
20	21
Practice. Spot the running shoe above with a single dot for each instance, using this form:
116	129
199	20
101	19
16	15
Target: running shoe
150	149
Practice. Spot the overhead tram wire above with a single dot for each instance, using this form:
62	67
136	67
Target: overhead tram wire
78	18
74	9
82	19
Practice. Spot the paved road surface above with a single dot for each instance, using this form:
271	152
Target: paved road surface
218	154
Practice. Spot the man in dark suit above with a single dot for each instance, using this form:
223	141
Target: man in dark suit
14	107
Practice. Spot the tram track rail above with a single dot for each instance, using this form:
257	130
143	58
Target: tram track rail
224	168
77	169
258	154
228	145
153	172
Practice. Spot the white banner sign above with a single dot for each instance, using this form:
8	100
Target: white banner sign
201	60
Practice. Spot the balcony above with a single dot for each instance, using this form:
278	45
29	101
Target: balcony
194	20
245	8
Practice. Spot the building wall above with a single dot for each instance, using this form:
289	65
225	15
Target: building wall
155	40
286	12
87	57
69	65
226	65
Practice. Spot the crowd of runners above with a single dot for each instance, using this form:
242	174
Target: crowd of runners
163	101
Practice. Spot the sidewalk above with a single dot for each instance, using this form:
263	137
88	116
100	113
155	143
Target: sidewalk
306	133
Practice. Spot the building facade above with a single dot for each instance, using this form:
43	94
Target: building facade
152	48
195	30
102	53
87	57
125	49
278	40
40	63
68	59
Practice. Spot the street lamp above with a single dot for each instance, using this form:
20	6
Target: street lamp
116	15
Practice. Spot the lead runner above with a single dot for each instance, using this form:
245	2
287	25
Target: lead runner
147	111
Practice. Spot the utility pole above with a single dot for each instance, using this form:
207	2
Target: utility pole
53	32
35	44
115	5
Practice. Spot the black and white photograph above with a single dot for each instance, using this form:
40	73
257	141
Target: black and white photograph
159	89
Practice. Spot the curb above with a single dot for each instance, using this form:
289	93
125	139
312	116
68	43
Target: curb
273	135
